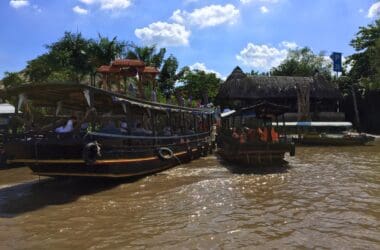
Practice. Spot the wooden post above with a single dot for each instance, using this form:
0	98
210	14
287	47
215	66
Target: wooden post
140	86
357	121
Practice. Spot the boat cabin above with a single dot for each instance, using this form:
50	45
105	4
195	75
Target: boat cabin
254	135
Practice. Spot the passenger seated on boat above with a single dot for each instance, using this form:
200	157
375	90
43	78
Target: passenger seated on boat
251	135
139	130
263	134
189	130
124	127
242	137
235	134
167	131
84	127
274	135
69	127
110	128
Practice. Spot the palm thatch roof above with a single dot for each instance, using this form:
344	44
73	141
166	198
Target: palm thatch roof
241	86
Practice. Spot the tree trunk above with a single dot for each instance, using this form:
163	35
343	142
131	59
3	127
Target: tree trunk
357	121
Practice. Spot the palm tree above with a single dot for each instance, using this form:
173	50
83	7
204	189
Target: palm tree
103	51
149	56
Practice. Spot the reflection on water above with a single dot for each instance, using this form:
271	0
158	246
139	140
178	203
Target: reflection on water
326	197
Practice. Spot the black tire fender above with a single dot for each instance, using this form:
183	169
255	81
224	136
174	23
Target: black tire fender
91	152
165	153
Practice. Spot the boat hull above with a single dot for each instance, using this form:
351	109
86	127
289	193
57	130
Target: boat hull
117	158
340	141
254	154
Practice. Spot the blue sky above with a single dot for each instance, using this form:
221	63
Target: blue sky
213	35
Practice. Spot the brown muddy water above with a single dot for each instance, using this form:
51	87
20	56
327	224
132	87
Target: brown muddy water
326	198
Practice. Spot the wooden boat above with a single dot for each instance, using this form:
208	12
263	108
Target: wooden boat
247	136
113	135
326	134
6	112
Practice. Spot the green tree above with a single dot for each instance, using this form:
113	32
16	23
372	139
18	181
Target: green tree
365	61
103	51
303	62
150	56
168	75
147	54
200	85
72	54
12	79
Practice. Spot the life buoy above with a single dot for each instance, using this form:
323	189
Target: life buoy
165	153
91	152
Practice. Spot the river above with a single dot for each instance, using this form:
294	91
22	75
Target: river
327	198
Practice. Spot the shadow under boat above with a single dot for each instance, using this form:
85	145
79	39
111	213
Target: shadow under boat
29	196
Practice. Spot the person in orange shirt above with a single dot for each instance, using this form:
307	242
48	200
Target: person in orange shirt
274	135
251	135
235	135
264	134
260	134
243	137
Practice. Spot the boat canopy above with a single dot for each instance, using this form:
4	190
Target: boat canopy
318	124
227	113
261	109
80	96
6	108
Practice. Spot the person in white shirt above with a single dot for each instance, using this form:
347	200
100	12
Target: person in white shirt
69	127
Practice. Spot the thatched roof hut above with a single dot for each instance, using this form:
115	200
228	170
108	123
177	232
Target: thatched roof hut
242	90
240	86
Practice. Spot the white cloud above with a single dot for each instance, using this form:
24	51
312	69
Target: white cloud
264	57
288	45
202	67
264	9
208	16
258	1
109	5
80	11
164	34
87	1
374	10
18	3
190	1
114	4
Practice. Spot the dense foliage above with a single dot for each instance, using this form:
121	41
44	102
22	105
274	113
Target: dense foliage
74	58
366	61
200	85
303	62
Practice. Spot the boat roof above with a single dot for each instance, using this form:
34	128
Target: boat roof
227	113
6	108
261	109
318	124
80	96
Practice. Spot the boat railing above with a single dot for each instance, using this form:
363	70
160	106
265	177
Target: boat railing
136	140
